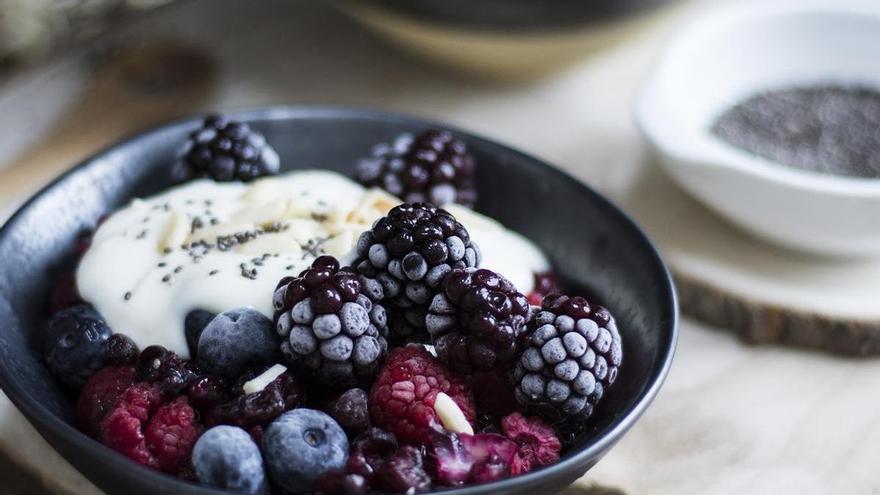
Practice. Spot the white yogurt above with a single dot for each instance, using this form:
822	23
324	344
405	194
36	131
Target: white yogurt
147	267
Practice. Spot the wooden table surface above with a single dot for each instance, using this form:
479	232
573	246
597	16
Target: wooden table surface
730	419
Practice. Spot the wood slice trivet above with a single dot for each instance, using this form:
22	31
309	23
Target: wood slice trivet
766	294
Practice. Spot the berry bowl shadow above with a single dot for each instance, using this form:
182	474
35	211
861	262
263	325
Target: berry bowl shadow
595	246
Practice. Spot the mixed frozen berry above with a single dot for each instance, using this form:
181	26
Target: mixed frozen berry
331	323
476	320
431	167
410	370
571	353
409	252
226	150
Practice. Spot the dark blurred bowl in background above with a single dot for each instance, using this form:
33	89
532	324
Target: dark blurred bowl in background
504	38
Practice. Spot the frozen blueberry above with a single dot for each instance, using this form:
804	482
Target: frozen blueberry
235	339
226	457
75	345
301	445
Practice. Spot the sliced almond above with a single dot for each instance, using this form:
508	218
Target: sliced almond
273	243
174	233
262	213
258	383
451	415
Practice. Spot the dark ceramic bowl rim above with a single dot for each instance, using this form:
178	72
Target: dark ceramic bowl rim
566	17
42	418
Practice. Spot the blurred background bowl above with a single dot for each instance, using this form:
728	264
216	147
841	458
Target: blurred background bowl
503	38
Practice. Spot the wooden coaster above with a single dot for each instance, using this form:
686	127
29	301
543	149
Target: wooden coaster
766	294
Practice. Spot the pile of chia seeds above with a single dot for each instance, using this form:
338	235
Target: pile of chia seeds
826	129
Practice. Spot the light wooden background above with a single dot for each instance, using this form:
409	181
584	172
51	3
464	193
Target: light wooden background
730	419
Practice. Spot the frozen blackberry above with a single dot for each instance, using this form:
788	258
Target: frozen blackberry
476	319
409	252
432	167
226	150
331	323
571	354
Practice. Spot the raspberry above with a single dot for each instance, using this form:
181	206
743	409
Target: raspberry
99	395
408	252
545	284
402	399
476	320
460	458
332	323
226	150
171	434
123	428
571	353
537	443
432	167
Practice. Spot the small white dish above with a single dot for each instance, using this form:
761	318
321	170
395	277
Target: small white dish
730	55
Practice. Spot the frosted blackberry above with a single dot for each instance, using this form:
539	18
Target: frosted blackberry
432	167
332	323
408	252
571	354
476	319
226	150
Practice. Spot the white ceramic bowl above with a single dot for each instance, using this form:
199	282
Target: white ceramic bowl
727	56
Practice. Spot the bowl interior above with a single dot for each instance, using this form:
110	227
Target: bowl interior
588	240
729	56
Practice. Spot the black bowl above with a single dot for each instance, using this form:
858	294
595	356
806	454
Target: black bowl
589	240
517	15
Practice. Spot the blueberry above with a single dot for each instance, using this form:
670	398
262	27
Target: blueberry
227	457
75	345
235	339
301	445
193	325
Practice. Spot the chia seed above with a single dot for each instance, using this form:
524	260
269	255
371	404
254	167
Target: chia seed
825	129
127	296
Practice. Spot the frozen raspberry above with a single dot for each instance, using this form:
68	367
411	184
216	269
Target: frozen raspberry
123	428
546	283
99	395
463	458
404	472
537	443
476	320
171	434
433	166
402	399
332	323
